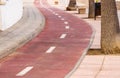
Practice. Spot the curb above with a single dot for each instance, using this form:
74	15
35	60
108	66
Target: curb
30	25
83	55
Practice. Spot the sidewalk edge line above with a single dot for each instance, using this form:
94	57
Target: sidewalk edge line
83	55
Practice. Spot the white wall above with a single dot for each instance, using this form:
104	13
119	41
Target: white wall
10	13
79	2
83	2
64	2
117	0
28	0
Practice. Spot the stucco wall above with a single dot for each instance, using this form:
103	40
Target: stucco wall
83	2
10	13
28	1
79	2
63	2
118	5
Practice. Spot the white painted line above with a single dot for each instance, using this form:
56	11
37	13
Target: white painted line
65	22
50	50
63	36
25	71
67	27
62	19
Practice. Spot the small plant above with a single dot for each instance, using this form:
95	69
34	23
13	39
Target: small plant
97	1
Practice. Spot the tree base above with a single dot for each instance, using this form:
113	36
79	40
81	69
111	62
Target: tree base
71	8
111	51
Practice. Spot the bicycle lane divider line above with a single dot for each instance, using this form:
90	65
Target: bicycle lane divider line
50	50
59	16
65	22
67	27
63	36
25	71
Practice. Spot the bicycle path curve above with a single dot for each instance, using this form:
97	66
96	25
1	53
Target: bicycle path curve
53	53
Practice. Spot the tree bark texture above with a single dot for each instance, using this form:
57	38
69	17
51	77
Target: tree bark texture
110	26
72	5
91	13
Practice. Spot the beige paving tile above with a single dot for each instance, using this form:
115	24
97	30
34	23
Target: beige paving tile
109	73
94	57
77	76
93	60
89	67
108	77
112	60
86	72
111	67
112	57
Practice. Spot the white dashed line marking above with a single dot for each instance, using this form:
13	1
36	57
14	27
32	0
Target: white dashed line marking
67	27
50	50
63	36
65	22
25	71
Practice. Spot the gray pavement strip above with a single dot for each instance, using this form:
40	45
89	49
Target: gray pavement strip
23	31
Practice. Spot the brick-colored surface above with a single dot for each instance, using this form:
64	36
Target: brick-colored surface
62	59
99	66
95	24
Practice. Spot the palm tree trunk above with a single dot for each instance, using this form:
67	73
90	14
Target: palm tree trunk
110	26
72	5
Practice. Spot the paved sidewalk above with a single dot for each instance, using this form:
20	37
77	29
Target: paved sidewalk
98	66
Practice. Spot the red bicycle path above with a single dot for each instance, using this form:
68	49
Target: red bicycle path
62	59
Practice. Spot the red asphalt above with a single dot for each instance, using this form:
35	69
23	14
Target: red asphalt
64	56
